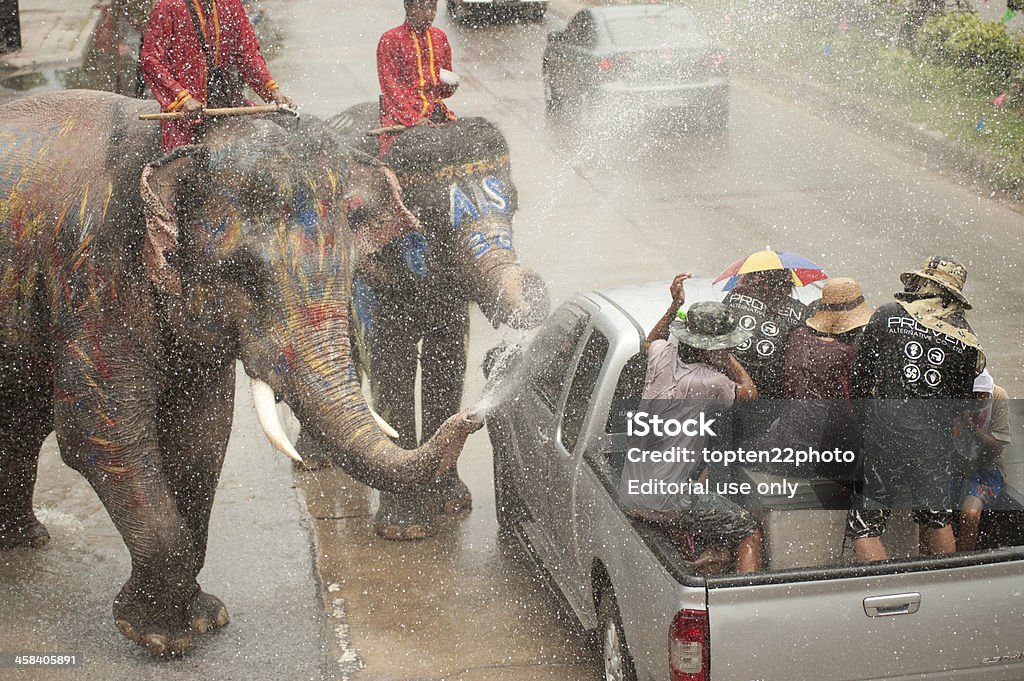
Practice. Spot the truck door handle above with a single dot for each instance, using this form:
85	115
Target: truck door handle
896	604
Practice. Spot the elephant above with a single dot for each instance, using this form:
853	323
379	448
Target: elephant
456	179
130	289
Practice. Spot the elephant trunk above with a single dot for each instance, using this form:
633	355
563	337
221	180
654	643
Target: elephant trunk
506	292
325	394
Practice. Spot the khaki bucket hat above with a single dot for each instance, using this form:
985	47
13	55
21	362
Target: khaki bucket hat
842	307
945	271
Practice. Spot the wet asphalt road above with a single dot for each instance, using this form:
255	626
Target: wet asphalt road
599	207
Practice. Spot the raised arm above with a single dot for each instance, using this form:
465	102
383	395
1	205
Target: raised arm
678	291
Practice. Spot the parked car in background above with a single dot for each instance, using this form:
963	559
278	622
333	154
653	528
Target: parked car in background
558	434
638	58
466	11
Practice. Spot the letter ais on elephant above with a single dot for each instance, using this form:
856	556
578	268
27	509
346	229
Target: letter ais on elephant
412	297
130	287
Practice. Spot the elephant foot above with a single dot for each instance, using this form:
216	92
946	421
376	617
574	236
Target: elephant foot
166	630
157	640
451	497
23	532
401	518
207	612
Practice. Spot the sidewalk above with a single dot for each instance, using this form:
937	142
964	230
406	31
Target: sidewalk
54	33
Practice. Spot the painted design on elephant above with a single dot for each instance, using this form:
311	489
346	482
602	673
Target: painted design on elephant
364	299
491	166
414	252
487	196
479	243
25	176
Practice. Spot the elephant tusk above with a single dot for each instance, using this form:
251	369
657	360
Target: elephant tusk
266	412
384	425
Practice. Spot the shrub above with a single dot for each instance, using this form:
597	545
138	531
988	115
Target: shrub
964	40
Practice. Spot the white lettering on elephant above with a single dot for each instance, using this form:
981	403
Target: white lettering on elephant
490	197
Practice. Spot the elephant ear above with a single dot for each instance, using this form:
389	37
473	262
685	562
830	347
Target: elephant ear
158	187
374	206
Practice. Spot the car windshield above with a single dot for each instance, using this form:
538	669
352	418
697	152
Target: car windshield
654	30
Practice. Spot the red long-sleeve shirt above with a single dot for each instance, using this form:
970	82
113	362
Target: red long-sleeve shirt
408	68
174	64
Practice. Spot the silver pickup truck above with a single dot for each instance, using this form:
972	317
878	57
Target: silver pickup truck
815	614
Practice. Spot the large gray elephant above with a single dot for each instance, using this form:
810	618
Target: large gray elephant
412	297
125	303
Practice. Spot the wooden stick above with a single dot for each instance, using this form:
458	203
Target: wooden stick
385	131
210	113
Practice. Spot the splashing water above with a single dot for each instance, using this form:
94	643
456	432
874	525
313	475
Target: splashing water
504	378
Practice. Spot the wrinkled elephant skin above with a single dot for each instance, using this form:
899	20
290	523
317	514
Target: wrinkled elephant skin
412	296
128	293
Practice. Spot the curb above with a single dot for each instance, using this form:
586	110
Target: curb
16	63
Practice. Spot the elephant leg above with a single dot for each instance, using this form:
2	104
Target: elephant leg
105	416
195	424
26	418
392	369
391	358
443	367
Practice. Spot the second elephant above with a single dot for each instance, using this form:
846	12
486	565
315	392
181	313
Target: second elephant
411	299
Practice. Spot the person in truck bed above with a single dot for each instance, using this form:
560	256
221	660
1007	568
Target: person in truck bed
816	411
682	381
982	433
914	373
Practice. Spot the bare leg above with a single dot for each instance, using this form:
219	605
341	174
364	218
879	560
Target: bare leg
870	549
748	554
936	541
970	522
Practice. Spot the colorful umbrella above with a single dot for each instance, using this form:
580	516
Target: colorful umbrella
803	270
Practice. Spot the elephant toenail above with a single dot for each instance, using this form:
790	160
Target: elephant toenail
125	628
155	643
416	532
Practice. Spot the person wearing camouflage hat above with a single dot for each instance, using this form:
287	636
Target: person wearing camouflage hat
685	379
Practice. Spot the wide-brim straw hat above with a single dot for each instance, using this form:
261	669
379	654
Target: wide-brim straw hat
945	271
842	307
709	326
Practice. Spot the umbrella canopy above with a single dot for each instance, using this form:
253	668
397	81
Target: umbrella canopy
803	270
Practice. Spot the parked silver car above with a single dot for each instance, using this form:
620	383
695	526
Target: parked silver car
638	58
558	435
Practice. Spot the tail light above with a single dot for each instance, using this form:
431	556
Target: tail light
716	59
688	646
614	63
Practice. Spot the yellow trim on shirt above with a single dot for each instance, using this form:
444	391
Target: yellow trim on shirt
430	46
205	30
419	68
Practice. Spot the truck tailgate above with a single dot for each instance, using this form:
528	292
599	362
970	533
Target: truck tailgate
952	623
